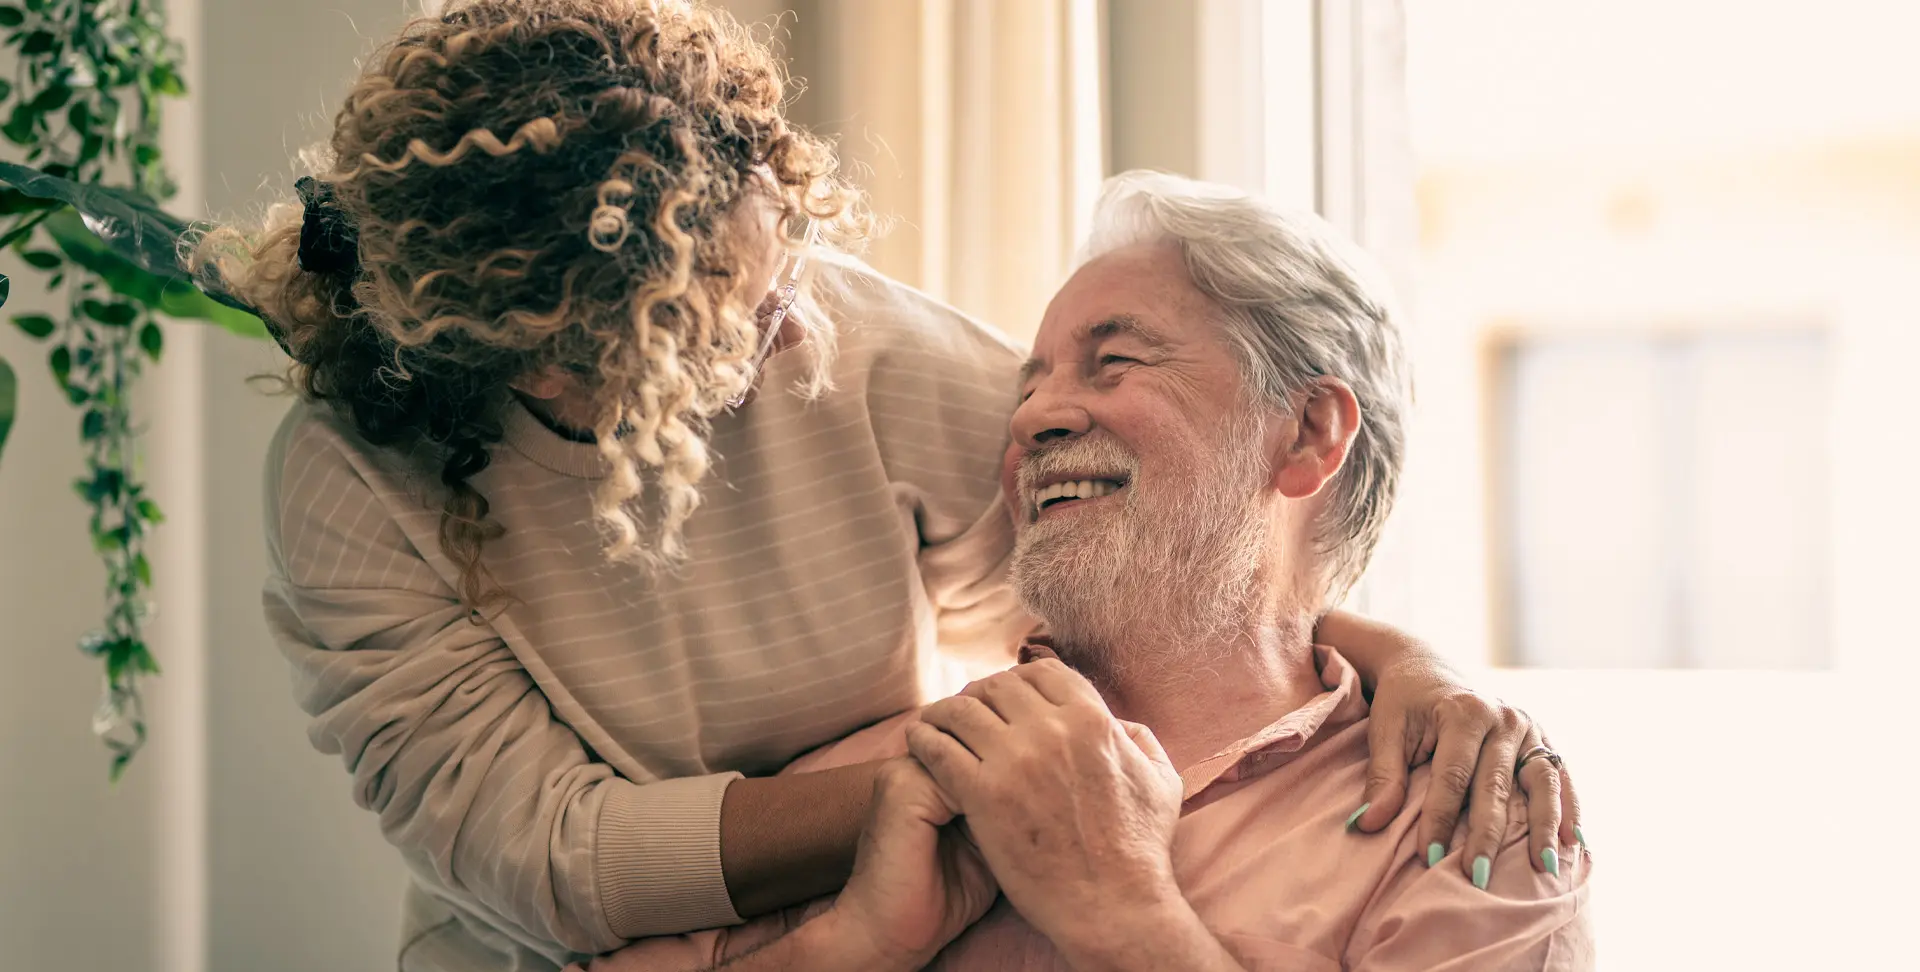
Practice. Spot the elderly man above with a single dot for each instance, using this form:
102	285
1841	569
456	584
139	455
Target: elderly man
1205	453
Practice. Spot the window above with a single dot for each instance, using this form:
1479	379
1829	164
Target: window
1659	499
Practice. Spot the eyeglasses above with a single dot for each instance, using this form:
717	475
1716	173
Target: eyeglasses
785	292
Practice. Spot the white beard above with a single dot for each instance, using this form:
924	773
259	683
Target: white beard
1180	563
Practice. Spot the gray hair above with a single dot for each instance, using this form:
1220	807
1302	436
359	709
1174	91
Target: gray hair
1300	301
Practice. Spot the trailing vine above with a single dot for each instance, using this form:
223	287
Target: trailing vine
84	102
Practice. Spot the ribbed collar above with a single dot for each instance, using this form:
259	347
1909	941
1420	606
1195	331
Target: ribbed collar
530	437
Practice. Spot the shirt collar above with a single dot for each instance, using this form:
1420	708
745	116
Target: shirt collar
1275	746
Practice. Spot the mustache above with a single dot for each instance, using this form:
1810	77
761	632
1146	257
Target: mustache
1086	454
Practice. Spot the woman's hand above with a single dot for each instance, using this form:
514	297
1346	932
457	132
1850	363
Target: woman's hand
1422	710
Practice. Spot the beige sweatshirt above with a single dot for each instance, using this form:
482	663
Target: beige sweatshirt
554	778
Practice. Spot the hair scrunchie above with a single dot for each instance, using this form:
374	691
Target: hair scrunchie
329	241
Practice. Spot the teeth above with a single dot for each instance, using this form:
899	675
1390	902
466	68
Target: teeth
1075	489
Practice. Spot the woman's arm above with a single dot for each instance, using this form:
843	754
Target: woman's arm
494	801
1373	647
787	839
1423	710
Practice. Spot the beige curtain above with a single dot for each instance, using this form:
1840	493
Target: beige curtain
975	125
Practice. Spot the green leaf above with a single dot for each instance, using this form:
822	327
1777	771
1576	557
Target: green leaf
184	301
60	362
142	570
175	297
144	154
105	485
6	289
41	259
20	124
11	17
13	202
79	117
107	541
151	512
9	396
6	89
37	326
115	314
165	81
151	340
39	42
54	98
133	245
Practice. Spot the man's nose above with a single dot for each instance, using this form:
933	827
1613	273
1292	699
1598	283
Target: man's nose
1048	416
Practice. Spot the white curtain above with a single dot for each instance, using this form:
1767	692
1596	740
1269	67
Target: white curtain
975	125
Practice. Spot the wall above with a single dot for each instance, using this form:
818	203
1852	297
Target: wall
299	878
230	844
76	853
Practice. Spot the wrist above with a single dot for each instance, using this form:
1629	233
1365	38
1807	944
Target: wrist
846	941
1165	934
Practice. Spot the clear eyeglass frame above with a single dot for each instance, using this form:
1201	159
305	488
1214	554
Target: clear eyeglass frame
785	291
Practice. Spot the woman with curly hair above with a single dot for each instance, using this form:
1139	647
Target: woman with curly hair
614	487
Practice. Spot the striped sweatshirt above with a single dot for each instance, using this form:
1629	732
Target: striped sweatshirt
553	777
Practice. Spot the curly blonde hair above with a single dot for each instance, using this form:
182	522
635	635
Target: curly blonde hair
542	183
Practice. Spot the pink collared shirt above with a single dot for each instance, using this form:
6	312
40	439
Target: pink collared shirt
1263	856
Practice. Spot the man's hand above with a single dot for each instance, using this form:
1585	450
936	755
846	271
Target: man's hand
918	882
1073	809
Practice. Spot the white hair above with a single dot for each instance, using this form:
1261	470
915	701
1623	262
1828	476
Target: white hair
1299	301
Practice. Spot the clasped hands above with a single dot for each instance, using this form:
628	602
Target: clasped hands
1025	784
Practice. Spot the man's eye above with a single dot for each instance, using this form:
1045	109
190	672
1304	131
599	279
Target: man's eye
1116	359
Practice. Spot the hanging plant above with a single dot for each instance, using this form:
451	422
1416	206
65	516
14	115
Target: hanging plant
84	104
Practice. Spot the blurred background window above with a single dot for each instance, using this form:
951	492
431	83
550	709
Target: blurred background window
1660	498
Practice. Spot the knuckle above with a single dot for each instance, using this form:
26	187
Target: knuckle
1498	781
1511	720
1453	779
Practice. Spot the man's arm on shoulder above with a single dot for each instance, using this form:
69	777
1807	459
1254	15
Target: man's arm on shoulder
1436	919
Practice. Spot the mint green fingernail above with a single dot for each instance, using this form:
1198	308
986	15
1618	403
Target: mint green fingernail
1551	860
1435	851
1577	835
1482	870
1355	818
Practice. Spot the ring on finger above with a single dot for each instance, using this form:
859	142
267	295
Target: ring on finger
1539	752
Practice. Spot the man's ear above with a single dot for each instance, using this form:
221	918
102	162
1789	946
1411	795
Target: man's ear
1328	418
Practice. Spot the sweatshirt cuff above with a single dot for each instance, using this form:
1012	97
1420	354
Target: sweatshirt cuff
657	857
